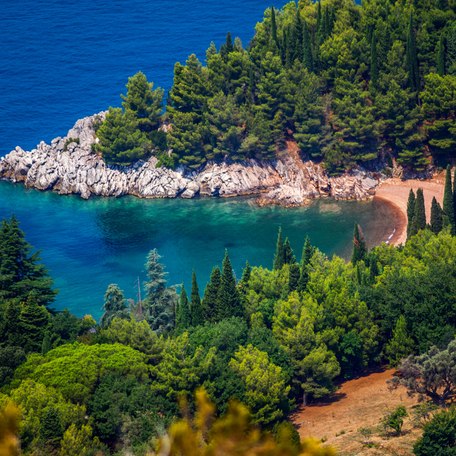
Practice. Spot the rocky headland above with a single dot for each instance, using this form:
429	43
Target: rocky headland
69	166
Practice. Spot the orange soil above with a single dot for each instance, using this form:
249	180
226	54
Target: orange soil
359	403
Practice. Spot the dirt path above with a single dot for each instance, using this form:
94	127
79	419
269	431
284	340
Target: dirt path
396	192
358	404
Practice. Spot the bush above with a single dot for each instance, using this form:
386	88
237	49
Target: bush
395	419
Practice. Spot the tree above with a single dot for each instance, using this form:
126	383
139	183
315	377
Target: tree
307	252
20	270
228	299
279	252
79	441
412	58
395	419
195	306
33	322
307	48
410	213
441	56
210	297
114	305
419	218
294	276
439	436
448	202
359	245
431	375
401	344
160	301
374	62
183	316
436	217
265	389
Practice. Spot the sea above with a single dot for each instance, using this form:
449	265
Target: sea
60	61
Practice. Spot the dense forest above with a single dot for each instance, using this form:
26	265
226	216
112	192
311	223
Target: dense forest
272	340
351	84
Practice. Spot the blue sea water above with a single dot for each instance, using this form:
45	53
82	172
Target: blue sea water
60	61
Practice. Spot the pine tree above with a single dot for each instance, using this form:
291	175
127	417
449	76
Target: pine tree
401	344
436	217
20	270
419	218
374	61
196	309
448	202
441	56
228	299
412	58
307	252
33	321
11	332
228	47
210	297
183	318
279	253
359	245
410	213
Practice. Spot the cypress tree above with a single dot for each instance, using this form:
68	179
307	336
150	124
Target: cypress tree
183	318
441	56
359	245
228	299
210	297
419	218
410	213
374	61
307	57
319	28
279	253
307	252
298	37
33	321
326	23
293	278
274	27
246	274
196	309
288	255
448	201
412	58
454	196
436	217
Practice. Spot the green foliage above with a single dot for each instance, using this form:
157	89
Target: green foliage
401	344
114	305
183	317
436	217
197	317
395	419
439	436
448	202
359	245
210	297
228	300
410	213
431	375
265	389
79	441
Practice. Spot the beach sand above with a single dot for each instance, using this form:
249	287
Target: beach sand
396	191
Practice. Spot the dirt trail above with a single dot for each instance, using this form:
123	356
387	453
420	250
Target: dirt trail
359	403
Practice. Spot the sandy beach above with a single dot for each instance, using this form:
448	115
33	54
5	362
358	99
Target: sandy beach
396	192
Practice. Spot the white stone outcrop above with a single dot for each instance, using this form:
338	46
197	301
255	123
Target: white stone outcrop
69	166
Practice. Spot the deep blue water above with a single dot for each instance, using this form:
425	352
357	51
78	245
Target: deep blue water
60	61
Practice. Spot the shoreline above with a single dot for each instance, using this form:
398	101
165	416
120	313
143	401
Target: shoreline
395	192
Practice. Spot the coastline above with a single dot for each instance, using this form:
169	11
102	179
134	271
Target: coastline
395	192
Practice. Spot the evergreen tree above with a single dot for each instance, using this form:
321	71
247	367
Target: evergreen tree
11	331
274	27
279	253
454	195
359	245
33	322
183	318
51	429
211	293
374	61
436	217
307	57
288	255
160	301
448	202
307	252
196	309
294	276
114	305
412	57
401	344
297	37
410	213
227	47
441	56
419	218
228	299
20	270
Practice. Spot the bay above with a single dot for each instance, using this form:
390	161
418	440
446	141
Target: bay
87	245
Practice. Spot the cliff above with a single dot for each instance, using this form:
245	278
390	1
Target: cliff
69	166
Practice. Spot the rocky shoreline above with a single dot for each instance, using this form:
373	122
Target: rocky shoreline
69	166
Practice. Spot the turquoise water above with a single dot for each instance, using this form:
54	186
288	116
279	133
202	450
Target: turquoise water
87	245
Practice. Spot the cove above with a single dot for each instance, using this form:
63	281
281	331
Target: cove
86	245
